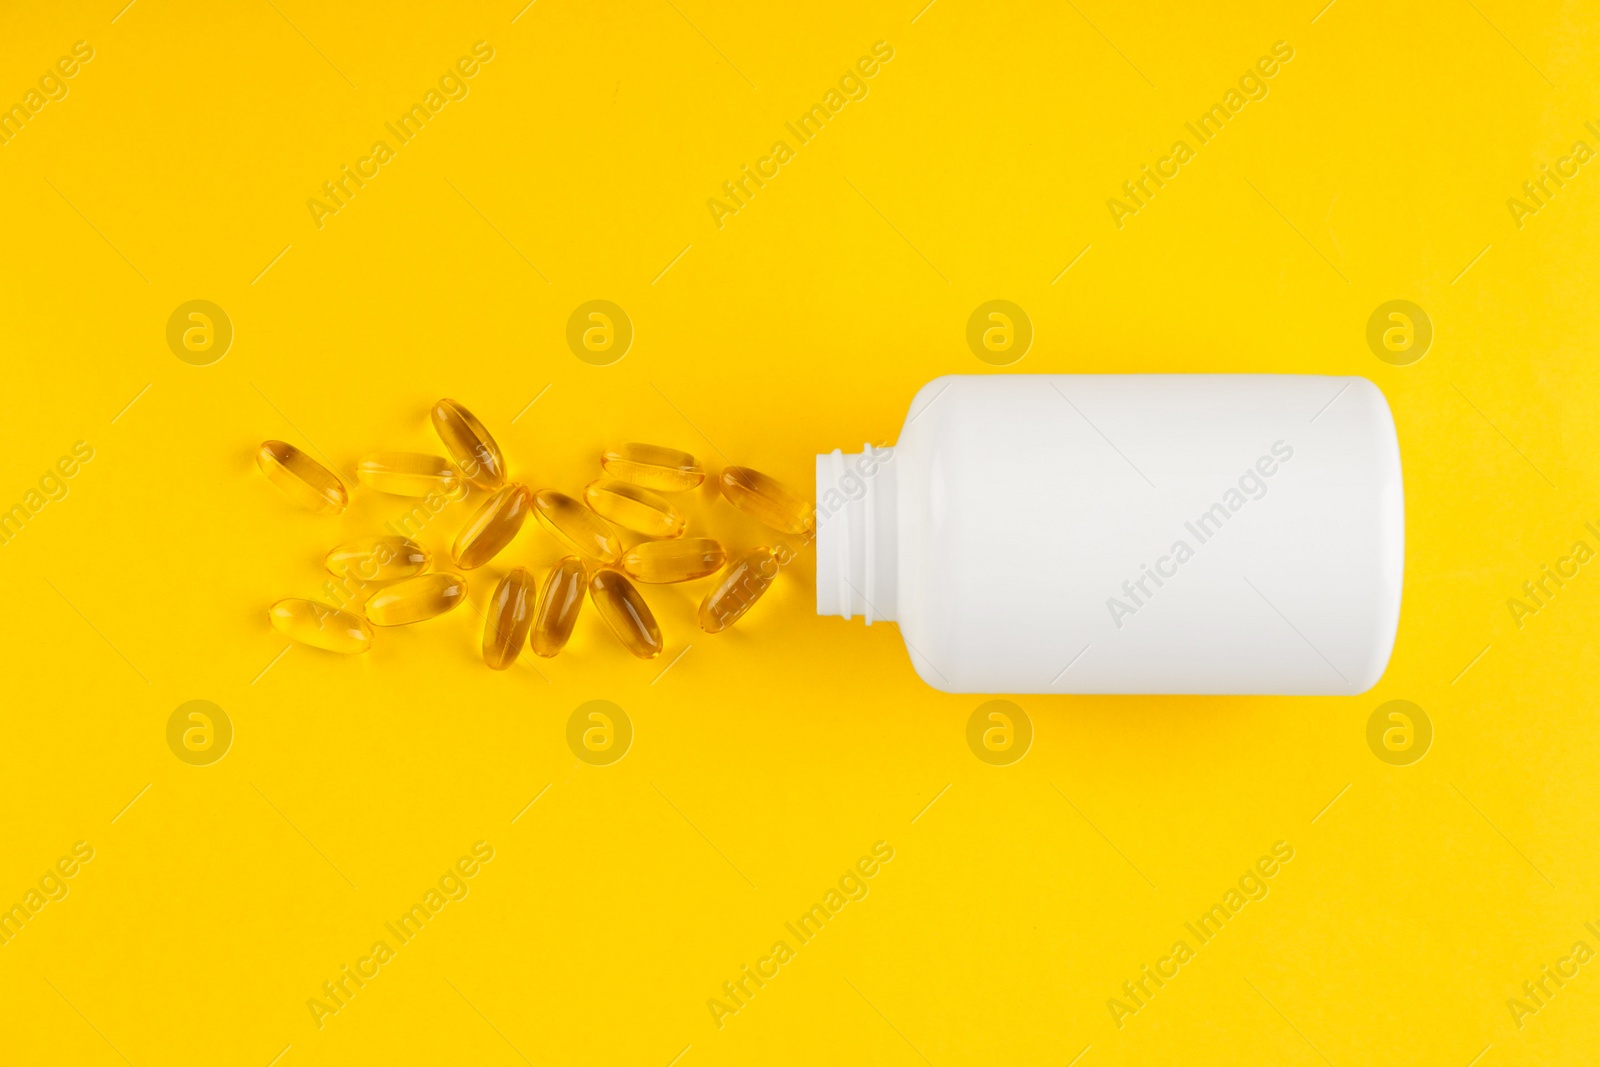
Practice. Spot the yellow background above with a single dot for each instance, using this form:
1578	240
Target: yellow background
767	759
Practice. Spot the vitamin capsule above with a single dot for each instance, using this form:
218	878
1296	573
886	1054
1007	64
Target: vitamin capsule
740	588
766	500
416	599
307	482
408	474
559	605
635	508
492	527
653	467
321	626
469	444
625	611
510	614
378	559
658	562
575	526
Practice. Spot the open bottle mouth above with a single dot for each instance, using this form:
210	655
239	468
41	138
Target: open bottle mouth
856	534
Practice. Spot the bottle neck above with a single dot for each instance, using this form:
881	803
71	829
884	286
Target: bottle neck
857	530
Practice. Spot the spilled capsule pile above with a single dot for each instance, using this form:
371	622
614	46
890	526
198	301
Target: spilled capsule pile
633	494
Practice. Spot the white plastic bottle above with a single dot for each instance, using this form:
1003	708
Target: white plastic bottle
1162	533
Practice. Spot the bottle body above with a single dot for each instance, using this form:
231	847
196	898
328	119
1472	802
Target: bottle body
1127	534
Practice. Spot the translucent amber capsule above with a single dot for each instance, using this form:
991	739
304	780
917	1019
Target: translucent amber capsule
469	444
416	599
575	526
625	611
635	508
378	559
492	527
559	605
321	626
766	500
407	473
658	562
653	467
307	482
740	588
509	616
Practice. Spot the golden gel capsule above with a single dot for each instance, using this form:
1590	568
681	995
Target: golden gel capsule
378	559
635	508
509	616
766	500
559	605
625	611
469	444
492	527
407	473
653	467
416	599
307	482
742	585
321	626
658	562
575	526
